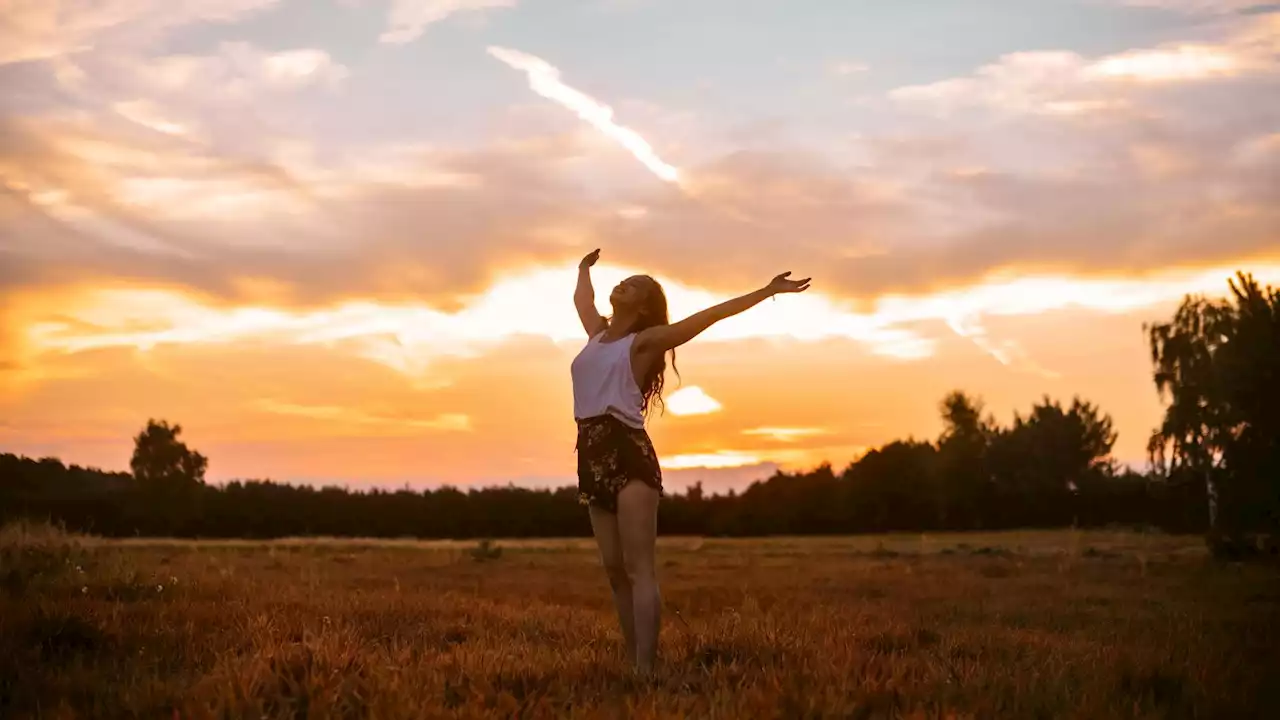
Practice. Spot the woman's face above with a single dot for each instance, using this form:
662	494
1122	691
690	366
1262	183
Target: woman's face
629	293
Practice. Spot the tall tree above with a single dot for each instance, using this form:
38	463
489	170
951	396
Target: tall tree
894	487
1054	448
162	461
964	481
1218	362
1045	458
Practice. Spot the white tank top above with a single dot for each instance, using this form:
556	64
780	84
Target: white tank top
603	382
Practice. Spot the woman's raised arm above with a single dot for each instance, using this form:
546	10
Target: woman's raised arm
584	296
665	337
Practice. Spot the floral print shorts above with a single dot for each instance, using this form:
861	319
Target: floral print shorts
610	454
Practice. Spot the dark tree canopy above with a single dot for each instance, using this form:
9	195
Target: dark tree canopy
1053	448
1217	363
161	461
964	463
967	479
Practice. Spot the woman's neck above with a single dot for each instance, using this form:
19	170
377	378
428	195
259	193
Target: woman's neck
620	326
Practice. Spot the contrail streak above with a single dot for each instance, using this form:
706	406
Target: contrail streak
1008	353
544	79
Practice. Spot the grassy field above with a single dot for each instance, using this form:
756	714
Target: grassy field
1017	625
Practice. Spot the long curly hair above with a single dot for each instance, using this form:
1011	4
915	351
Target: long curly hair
652	313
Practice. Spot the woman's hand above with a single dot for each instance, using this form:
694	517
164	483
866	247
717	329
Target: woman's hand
781	284
584	296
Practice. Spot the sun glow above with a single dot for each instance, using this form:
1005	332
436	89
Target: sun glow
408	336
723	459
692	400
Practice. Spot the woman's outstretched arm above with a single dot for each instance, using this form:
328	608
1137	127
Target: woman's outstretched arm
665	337
584	297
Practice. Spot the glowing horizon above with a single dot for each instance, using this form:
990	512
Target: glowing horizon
413	341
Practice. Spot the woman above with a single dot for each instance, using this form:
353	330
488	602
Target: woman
617	379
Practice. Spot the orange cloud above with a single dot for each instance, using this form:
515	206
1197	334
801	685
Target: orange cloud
409	338
405	222
409	18
381	425
785	434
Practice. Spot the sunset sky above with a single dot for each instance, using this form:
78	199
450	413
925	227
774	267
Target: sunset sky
336	240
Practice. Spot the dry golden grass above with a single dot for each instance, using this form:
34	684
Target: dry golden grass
1025	625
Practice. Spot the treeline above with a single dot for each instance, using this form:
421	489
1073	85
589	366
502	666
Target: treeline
1051	468
1214	466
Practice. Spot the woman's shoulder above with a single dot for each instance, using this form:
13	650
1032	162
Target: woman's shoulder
640	336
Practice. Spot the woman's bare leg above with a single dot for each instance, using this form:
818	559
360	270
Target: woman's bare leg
604	525
638	528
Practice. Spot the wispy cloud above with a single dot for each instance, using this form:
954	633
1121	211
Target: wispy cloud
1020	82
409	18
240	70
146	113
45	29
1180	63
1061	82
786	434
846	68
544	79
1203	7
1007	352
448	422
405	221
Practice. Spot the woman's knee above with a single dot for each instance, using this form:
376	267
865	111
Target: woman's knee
617	572
639	570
